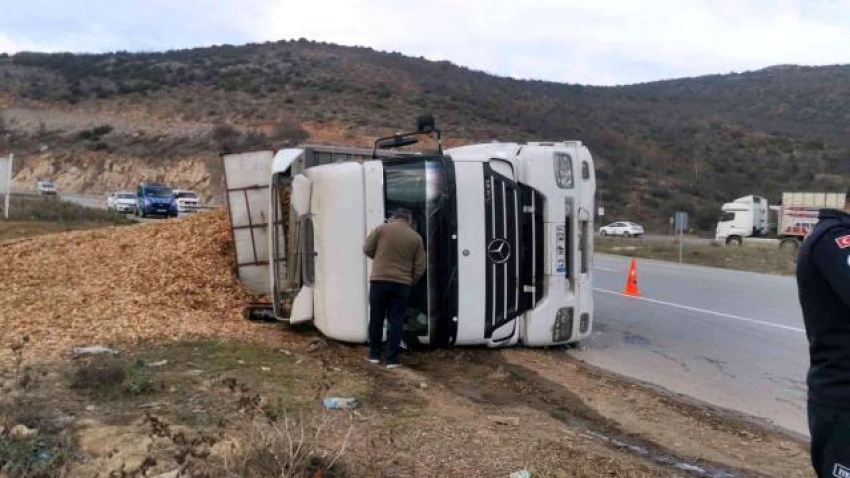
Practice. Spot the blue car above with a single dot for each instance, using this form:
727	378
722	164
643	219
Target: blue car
154	199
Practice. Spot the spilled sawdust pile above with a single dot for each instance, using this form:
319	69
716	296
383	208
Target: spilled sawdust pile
172	279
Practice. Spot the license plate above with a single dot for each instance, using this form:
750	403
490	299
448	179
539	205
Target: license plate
560	249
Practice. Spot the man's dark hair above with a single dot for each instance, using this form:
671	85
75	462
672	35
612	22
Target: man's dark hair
402	213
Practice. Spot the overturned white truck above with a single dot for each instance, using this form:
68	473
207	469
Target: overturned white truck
508	230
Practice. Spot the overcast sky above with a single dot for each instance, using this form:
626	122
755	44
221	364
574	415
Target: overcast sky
575	41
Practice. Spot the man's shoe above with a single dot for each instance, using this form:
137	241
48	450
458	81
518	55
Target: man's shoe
391	366
374	360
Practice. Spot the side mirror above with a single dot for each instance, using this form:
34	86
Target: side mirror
396	141
425	124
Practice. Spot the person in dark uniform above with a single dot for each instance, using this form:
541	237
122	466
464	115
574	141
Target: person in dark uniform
823	280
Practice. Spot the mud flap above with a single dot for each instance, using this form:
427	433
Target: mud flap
302	307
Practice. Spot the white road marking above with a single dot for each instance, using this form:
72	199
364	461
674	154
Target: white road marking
606	269
706	311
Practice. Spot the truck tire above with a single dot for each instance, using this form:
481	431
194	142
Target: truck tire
790	243
734	241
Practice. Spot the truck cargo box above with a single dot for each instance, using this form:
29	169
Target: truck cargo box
800	211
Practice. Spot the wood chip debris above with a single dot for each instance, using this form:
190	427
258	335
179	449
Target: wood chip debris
122	285
500	420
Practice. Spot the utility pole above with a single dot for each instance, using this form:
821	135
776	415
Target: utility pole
681	243
8	186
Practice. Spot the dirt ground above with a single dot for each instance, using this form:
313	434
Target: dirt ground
196	390
449	413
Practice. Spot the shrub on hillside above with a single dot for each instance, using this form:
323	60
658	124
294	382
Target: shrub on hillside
225	136
288	130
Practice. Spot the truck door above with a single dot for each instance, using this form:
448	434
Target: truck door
424	187
247	178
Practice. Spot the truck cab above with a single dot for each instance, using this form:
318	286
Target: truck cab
155	199
747	216
507	228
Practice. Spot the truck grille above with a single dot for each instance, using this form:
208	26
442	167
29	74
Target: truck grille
503	249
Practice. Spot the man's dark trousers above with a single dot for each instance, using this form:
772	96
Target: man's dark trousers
386	299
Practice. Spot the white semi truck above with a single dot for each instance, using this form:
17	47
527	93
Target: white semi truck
508	230
786	224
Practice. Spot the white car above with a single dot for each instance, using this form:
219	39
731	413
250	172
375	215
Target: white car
121	201
45	188
187	201
625	229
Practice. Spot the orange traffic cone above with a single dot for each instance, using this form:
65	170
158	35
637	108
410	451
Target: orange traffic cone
631	282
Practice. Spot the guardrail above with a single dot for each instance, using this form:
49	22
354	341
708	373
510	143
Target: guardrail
93	200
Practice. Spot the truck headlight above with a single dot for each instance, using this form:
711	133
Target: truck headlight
563	170
562	329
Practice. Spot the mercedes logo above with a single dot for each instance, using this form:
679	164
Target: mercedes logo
499	251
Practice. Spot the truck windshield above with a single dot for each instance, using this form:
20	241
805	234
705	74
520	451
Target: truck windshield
159	192
422	187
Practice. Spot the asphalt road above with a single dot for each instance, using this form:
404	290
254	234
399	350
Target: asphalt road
96	202
99	202
729	338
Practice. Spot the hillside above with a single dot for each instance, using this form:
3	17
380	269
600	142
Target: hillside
687	144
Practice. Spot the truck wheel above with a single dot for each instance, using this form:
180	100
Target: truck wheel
790	243
734	241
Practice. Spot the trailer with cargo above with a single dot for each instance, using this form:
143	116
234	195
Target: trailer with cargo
508	231
787	224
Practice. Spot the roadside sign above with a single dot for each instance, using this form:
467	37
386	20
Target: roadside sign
601	211
681	222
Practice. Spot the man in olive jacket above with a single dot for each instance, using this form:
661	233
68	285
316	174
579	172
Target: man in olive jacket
398	262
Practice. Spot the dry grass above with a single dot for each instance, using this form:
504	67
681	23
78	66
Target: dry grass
35	216
767	260
54	210
290	447
13	230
